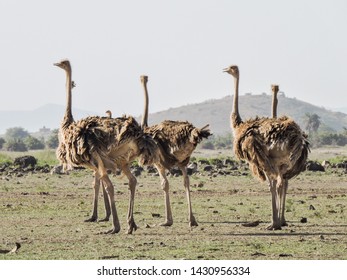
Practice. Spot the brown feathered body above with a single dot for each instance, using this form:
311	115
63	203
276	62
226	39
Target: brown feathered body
271	147
117	141
177	140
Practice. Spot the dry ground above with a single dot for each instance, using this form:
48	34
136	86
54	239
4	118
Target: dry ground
45	213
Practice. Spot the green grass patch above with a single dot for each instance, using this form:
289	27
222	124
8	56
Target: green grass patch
5	158
43	157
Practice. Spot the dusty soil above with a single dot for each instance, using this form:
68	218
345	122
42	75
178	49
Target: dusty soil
44	213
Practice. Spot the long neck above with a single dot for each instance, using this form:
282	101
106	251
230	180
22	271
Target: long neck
274	104
144	122
68	118
235	116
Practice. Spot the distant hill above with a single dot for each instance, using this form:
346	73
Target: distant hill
215	112
48	116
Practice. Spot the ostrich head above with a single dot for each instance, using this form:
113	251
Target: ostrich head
108	114
232	70
274	88
144	79
64	64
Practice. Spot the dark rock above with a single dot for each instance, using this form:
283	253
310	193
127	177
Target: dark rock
137	171
25	161
151	169
203	161
208	168
175	171
314	166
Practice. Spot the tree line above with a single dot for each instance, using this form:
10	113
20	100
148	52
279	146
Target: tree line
19	140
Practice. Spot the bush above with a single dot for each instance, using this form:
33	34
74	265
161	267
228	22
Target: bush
326	139
53	140
208	145
218	142
2	142
15	145
33	143
16	133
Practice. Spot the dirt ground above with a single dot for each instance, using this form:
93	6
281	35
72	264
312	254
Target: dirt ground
44	215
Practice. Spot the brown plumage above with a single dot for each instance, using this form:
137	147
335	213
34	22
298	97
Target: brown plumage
176	141
272	147
102	144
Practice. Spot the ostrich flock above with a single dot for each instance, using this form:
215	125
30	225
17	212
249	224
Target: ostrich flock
276	150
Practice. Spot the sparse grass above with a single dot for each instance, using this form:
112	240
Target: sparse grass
46	157
45	214
5	158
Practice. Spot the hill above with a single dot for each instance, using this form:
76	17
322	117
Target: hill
48	116
215	112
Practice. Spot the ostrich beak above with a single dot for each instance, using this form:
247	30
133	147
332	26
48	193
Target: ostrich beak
56	64
225	69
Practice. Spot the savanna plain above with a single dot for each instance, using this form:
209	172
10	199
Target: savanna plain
44	214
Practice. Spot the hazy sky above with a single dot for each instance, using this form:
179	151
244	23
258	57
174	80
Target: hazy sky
182	45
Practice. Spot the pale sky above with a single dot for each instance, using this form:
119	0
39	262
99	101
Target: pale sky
182	45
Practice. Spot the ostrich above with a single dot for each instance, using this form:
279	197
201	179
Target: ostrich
176	140
297	167
102	144
276	150
108	114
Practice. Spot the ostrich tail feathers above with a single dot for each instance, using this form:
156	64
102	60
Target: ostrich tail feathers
198	134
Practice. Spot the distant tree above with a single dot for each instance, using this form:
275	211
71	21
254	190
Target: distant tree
53	140
16	133
218	142
15	145
208	145
312	122
33	143
2	142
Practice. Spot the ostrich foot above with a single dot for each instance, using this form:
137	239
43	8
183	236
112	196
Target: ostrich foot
284	224
106	219
273	227
132	227
168	223
113	230
193	222
92	219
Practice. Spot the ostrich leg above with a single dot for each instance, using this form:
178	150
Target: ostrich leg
283	193
110	192
275	225
96	186
102	173
165	187
192	221
132	186
107	205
